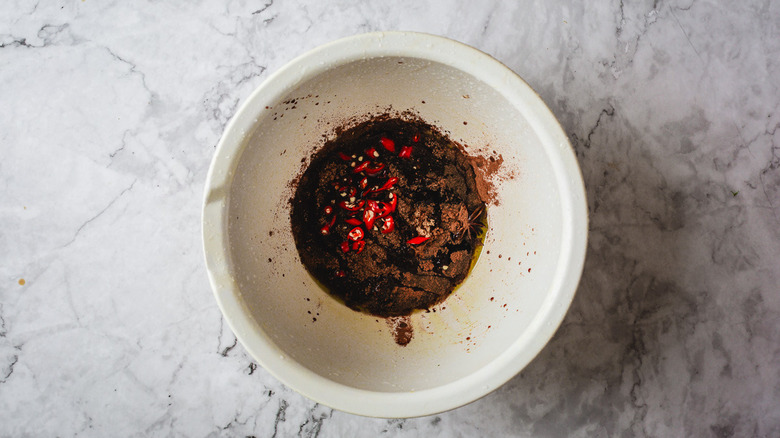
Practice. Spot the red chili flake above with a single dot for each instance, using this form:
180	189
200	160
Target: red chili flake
388	225
325	230
388	144
406	152
352	207
417	240
383	209
345	246
375	170
328	209
340	273
390	183
416	137
355	234
393	201
369	216
371	152
353	221
361	167
358	246
363	182
344	156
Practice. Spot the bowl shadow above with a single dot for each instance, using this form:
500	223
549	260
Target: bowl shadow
632	307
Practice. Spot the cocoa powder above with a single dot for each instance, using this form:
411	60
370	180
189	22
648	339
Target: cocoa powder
381	216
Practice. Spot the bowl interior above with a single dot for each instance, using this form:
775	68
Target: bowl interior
508	293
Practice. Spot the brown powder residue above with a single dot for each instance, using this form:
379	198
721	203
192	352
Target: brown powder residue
434	190
486	169
460	261
401	327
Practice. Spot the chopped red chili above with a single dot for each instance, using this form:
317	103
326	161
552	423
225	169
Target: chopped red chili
389	183
361	167
417	240
388	225
393	201
388	144
356	234
325	230
369	216
374	170
352	207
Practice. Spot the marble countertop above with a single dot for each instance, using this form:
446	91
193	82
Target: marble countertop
110	112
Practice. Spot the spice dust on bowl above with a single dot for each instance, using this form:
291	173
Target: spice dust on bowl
394	224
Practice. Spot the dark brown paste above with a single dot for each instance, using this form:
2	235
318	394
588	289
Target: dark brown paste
386	214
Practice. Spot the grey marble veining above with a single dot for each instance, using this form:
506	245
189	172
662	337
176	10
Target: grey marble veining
110	114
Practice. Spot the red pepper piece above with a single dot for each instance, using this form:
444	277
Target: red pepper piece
388	225
345	246
340	273
375	170
383	209
344	156
371	152
353	221
406	152
393	201
325	230
356	234
375	207
358	246
369	217
361	167
364	182
388	144
390	183
328	209
416	138
352	207
417	240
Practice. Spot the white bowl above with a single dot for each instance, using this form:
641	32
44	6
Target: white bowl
494	323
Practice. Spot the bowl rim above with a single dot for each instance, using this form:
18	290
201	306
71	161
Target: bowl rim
523	349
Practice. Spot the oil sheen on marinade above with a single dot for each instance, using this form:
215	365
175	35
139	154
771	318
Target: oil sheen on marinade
387	216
